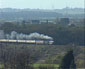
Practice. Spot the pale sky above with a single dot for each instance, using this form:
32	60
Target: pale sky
41	4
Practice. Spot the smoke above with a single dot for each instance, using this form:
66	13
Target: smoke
35	35
13	35
38	36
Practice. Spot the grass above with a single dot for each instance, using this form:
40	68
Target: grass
36	66
1	66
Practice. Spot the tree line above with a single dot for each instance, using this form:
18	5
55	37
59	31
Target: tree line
62	35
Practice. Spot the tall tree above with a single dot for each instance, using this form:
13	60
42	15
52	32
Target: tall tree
68	61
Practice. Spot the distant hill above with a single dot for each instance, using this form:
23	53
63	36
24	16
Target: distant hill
68	10
20	14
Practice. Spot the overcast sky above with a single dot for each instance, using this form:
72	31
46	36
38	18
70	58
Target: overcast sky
41	4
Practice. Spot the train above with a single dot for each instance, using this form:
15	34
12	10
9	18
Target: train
42	42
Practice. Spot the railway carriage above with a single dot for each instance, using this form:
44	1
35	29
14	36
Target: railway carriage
49	42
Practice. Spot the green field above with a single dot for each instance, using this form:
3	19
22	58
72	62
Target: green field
36	66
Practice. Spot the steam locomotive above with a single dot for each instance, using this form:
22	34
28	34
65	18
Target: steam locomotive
46	42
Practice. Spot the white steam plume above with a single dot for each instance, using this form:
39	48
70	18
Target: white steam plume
35	35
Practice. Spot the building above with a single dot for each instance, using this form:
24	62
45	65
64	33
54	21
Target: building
35	21
64	21
2	36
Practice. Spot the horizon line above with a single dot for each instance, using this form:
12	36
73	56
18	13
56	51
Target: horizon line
44	8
